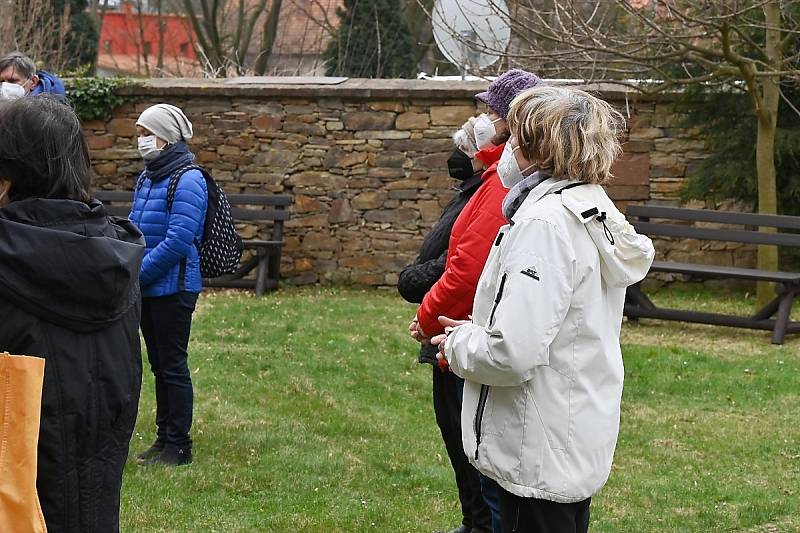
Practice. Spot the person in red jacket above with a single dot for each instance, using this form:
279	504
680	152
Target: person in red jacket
478	224
474	232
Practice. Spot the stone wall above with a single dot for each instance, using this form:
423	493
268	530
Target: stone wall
364	159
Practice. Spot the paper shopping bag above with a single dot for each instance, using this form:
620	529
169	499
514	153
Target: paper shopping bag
21	380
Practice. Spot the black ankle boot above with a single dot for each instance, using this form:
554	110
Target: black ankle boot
150	452
462	528
171	456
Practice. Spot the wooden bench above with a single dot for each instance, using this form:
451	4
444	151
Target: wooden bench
657	221
248	208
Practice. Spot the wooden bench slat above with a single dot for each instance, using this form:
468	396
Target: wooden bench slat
255	243
259	214
720	217
282	200
114	196
712	234
254	199
694	269
714	319
124	197
260	199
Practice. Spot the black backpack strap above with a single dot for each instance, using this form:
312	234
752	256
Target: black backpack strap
571	186
140	180
173	182
172	186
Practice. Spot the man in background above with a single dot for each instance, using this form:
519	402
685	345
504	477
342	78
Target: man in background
19	69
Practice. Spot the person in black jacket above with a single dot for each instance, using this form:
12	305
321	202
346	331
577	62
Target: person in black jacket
414	282
69	293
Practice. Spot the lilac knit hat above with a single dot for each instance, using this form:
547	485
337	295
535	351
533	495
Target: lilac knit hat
508	85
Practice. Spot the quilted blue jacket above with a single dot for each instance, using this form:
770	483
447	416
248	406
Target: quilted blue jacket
170	236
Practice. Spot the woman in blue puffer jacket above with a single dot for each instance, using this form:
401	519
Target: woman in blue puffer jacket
170	277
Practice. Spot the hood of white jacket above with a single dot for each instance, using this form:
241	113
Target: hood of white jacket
625	256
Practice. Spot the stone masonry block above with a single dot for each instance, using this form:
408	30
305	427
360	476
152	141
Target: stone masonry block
369	200
122	127
413	121
451	115
368	120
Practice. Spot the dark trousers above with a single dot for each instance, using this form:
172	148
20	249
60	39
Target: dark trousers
489	491
447	392
530	515
166	324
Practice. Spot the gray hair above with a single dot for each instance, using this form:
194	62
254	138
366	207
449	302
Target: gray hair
464	138
21	64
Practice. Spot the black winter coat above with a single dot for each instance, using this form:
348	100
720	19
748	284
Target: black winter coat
418	278
69	293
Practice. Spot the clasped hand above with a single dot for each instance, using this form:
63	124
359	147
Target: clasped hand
417	333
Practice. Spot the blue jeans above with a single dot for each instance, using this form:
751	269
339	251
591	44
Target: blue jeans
166	323
448	389
489	491
488	488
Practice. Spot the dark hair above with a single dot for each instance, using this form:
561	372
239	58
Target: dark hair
500	138
42	150
21	64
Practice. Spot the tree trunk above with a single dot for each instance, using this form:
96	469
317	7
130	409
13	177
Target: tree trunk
161	31
268	37
767	117
142	41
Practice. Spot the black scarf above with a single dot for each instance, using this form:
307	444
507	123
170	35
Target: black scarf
171	159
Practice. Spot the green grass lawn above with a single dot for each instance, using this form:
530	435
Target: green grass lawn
311	414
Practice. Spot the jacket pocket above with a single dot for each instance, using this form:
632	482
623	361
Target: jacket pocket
552	394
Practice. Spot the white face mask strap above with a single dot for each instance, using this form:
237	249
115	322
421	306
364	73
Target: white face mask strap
524	170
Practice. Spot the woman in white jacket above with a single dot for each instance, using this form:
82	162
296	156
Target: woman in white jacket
541	356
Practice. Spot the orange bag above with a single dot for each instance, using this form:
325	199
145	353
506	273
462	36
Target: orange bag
21	381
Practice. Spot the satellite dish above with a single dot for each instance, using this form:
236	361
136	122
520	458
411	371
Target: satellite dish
472	34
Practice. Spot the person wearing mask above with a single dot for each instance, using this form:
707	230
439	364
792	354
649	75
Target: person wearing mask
170	274
69	294
19	70
541	356
414	282
475	228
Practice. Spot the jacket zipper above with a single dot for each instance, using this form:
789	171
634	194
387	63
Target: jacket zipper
479	416
485	388
498	297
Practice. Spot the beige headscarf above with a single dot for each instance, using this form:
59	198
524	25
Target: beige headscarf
166	122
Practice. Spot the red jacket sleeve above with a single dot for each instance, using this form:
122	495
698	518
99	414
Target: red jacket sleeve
454	293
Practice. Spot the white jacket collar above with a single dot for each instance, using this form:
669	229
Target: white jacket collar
546	187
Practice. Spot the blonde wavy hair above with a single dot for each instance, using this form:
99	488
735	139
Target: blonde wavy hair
567	132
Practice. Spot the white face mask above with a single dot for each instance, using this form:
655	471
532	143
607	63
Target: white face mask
10	91
485	130
508	168
148	148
